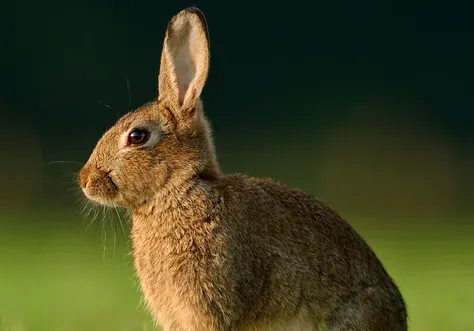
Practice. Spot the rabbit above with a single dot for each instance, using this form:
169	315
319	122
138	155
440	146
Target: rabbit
219	252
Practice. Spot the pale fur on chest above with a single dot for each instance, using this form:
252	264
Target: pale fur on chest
170	279
170	249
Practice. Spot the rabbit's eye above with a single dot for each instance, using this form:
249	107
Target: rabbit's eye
138	137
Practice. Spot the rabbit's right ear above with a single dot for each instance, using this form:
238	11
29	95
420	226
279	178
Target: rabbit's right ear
184	62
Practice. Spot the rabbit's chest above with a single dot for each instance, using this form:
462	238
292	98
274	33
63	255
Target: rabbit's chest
165	280
168	268
165	262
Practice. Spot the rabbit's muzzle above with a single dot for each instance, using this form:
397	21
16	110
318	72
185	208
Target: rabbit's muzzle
98	185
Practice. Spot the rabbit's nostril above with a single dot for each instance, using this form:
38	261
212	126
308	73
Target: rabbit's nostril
83	181
84	177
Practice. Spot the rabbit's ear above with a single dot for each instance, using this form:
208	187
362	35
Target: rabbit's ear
184	61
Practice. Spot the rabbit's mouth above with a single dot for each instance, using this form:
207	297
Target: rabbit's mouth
112	181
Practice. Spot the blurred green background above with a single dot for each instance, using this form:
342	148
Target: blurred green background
367	105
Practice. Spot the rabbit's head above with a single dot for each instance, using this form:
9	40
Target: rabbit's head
166	142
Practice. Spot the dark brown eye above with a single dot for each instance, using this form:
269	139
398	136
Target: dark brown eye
138	137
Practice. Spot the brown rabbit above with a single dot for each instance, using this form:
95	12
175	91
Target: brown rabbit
228	252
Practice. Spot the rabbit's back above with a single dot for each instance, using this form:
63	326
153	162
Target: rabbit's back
291	252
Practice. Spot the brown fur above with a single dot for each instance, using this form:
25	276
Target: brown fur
228	252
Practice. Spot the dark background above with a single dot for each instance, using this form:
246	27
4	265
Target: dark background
365	104
286	80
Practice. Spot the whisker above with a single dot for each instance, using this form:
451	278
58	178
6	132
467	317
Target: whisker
121	226
114	233
129	93
96	212
108	106
88	208
104	231
73	184
108	221
83	206
62	162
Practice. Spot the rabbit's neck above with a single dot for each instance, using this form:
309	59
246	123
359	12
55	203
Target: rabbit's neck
180	214
189	200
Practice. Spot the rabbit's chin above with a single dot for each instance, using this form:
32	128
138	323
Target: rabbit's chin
103	201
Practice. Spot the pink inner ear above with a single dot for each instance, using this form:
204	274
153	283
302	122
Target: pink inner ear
186	72
182	92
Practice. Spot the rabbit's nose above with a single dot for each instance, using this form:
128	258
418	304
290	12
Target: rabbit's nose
83	177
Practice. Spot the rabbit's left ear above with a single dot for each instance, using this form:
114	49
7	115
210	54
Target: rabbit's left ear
184	61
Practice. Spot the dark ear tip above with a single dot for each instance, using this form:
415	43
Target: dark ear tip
194	10
199	13
202	18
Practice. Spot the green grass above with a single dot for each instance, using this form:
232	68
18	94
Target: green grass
434	268
56	275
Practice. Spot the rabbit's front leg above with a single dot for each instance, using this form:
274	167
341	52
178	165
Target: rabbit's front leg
197	328
198	323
